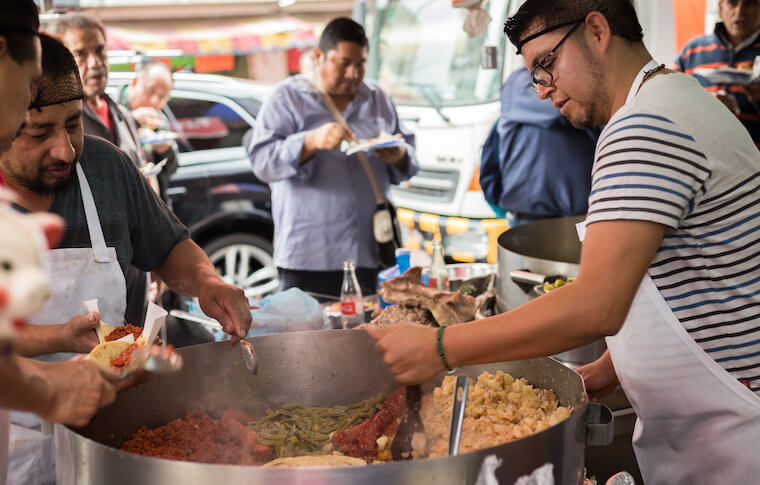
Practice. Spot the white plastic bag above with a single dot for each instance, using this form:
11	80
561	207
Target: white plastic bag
288	311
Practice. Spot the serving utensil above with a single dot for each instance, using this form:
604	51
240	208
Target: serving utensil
411	423
247	352
457	414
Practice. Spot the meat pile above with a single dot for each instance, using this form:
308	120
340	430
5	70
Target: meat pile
361	441
197	437
415	302
122	331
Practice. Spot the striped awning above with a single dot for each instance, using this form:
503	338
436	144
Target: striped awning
213	37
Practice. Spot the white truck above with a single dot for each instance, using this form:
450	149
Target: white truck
420	54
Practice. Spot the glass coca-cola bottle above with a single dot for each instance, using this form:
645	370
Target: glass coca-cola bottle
438	276
351	303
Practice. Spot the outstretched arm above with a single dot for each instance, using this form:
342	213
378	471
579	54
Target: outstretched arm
188	271
616	255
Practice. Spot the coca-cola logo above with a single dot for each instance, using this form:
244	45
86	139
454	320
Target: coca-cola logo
347	308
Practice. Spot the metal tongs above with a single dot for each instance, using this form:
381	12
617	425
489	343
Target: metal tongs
457	414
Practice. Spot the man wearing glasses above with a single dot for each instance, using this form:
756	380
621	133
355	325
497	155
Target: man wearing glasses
734	43
669	270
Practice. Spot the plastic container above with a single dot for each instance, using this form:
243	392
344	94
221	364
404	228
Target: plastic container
386	274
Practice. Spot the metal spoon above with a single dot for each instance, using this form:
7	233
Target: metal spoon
457	414
250	358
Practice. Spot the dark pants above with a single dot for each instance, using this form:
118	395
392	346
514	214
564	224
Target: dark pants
326	282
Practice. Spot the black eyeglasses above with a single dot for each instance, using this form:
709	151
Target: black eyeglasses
541	74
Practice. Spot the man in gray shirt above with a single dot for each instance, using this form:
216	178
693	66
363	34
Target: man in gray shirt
322	200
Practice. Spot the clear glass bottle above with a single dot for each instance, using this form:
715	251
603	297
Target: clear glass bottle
438	275
351	303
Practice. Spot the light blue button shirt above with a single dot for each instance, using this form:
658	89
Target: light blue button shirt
323	209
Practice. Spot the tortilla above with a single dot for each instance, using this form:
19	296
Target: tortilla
104	353
315	461
105	330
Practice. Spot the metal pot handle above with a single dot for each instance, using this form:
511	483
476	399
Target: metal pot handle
600	425
523	276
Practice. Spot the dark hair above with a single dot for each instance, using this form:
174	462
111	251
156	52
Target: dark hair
19	24
342	29
60	81
77	21
537	15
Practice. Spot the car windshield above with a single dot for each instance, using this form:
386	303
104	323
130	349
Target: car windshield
420	54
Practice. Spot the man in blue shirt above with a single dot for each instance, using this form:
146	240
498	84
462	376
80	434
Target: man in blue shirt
535	164
734	43
322	201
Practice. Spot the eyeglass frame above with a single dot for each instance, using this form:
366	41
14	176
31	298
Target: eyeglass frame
535	80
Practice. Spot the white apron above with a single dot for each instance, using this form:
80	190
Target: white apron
77	274
696	423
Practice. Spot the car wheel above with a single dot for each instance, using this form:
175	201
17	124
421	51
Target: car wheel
245	261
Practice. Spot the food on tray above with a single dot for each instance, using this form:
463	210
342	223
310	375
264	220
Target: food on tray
315	461
295	430
415	302
499	409
383	140
149	137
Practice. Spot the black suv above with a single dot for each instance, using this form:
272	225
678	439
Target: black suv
214	192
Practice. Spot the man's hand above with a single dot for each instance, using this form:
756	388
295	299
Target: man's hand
409	350
392	155
599	377
327	137
752	90
148	117
80	334
228	305
76	390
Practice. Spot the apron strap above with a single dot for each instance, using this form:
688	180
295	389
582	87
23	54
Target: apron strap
649	68
93	221
338	117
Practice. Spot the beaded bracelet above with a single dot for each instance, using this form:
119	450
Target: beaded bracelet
439	346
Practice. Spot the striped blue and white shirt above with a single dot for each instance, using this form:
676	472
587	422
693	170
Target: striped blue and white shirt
677	157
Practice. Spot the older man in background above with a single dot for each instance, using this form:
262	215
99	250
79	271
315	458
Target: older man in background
145	97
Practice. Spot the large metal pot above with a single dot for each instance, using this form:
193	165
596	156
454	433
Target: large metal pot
548	247
313	368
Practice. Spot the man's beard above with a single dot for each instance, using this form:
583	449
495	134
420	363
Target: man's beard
595	111
40	188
